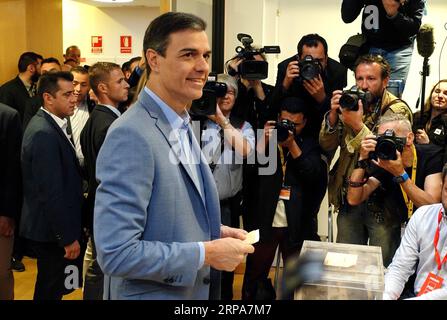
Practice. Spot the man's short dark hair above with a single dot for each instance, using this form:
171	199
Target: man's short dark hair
79	69
370	59
50	60
444	172
134	59
159	30
26	59
71	47
311	40
126	66
48	82
294	105
100	72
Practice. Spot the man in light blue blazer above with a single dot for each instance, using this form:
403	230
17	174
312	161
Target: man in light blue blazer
157	219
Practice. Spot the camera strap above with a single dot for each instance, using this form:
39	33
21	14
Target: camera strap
408	202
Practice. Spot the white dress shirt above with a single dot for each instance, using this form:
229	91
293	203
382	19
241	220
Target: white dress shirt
417	247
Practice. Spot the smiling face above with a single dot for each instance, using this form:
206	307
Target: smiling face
439	96
178	77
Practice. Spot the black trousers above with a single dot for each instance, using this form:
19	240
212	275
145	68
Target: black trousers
51	271
230	211
259	263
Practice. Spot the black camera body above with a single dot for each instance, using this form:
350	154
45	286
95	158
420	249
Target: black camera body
206	105
282	128
310	68
250	68
349	99
387	145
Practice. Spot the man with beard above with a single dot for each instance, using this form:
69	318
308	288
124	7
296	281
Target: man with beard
422	250
347	128
16	92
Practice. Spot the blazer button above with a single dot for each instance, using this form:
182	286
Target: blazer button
206	281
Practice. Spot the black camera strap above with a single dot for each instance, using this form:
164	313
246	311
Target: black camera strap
392	103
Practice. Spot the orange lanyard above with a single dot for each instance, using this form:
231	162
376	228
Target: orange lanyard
408	202
283	163
435	243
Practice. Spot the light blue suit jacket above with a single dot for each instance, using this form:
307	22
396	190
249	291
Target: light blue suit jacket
149	214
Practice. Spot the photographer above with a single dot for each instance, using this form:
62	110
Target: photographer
227	140
253	101
288	201
347	131
326	75
411	180
390	27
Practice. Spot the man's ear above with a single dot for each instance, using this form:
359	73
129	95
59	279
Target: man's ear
31	68
410	138
153	60
102	88
385	82
47	98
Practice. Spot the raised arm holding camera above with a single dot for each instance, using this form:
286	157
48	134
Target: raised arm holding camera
312	76
408	176
390	27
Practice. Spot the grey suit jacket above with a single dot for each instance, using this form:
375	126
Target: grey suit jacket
149	214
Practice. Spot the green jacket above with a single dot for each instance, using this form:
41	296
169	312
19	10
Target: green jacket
343	136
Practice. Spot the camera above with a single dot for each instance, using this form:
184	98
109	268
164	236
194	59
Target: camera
282	128
206	105
309	68
349	99
250	68
387	145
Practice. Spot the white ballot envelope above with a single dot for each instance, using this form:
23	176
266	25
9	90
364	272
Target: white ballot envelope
252	237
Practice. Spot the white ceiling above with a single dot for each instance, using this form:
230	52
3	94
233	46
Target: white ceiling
135	3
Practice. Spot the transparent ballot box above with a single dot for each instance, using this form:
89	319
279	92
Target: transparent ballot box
350	272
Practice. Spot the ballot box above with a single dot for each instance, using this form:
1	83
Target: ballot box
350	272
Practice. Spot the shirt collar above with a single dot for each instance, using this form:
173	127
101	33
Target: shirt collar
113	109
62	123
176	121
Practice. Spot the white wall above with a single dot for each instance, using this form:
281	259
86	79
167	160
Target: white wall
201	8
81	21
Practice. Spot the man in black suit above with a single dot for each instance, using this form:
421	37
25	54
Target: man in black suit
16	92
317	91
10	193
110	86
52	187
288	200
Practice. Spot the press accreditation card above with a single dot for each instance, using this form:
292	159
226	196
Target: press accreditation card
432	282
285	193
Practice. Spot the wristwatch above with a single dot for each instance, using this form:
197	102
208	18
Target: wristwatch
402	178
225	124
361	164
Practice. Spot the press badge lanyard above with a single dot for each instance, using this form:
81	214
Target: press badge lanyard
434	281
283	164
408	202
435	243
